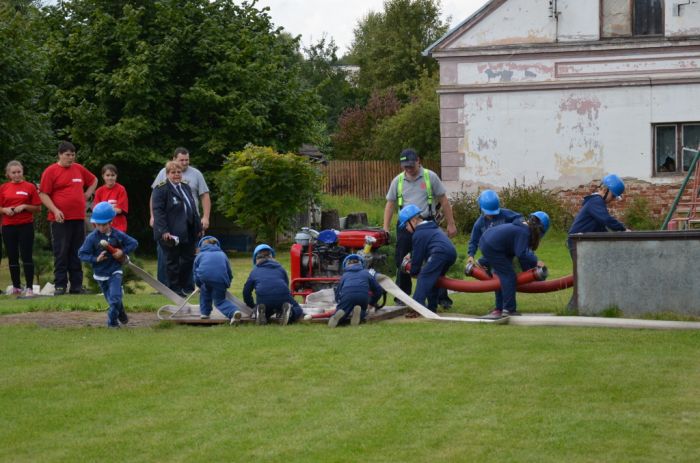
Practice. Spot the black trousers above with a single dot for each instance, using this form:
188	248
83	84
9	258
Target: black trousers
179	261
19	240
66	239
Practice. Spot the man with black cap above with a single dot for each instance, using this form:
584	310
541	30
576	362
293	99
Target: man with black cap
422	187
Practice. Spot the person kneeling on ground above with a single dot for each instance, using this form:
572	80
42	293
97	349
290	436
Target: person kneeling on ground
271	285
356	290
500	245
107	267
213	275
433	254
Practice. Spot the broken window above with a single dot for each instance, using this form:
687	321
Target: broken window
625	18
669	141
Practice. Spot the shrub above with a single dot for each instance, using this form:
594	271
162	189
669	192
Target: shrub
465	210
527	199
638	216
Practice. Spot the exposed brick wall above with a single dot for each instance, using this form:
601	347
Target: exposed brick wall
660	196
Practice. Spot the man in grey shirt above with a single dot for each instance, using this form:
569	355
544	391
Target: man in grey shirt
194	178
413	186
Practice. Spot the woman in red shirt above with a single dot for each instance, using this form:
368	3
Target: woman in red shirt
19	201
115	194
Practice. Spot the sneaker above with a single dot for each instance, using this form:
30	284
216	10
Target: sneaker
236	319
59	291
335	319
79	291
512	313
204	317
15	292
28	292
446	303
308	317
123	318
495	314
286	312
356	314
260	317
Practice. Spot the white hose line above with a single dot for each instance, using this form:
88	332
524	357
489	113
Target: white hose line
602	322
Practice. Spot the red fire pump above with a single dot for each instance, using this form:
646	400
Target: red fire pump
316	257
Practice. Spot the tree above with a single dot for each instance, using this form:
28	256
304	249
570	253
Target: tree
24	127
356	127
264	190
388	46
134	79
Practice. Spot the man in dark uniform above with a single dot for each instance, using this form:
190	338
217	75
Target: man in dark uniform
176	224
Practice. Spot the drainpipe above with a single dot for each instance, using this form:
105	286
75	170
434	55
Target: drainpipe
554	13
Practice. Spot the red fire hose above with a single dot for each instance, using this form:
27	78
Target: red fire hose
492	284
533	287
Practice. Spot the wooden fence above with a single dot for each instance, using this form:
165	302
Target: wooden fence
364	179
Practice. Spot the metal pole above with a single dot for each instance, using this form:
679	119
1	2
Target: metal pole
693	164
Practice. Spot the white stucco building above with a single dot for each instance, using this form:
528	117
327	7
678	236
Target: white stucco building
568	90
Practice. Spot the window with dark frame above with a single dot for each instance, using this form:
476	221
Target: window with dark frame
629	18
669	140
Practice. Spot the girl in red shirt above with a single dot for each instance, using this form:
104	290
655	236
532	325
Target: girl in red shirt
19	201
115	194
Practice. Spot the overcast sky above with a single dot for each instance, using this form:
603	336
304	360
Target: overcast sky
338	18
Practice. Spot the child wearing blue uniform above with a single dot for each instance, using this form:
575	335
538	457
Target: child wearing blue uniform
106	267
501	244
492	215
271	285
594	215
356	290
433	254
213	275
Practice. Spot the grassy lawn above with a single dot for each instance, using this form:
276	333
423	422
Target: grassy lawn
395	392
383	392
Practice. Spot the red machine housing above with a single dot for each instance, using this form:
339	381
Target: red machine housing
308	261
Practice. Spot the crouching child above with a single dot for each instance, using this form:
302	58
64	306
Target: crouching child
433	254
107	265
356	290
213	275
271	285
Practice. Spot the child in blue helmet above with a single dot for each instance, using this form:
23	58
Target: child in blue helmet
271	285
213	275
492	214
356	290
594	215
433	254
501	244
107	267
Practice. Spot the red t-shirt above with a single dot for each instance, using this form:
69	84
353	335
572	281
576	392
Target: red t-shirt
15	194
116	196
66	187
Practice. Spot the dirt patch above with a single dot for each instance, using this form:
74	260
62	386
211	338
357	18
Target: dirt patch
75	319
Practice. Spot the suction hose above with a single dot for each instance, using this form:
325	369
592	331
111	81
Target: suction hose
533	287
492	284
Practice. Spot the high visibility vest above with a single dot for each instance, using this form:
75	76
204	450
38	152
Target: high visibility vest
428	189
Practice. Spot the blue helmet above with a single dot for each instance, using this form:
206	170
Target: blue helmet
353	257
103	213
615	184
262	247
407	213
543	218
204	238
489	203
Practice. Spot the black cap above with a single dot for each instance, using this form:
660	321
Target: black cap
408	158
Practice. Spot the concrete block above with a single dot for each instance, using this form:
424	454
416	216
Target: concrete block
637	272
451	130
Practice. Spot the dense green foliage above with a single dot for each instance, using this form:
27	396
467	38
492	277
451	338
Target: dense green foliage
388	45
638	215
518	197
264	190
131	80
24	126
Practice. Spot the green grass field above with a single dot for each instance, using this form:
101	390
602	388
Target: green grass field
383	392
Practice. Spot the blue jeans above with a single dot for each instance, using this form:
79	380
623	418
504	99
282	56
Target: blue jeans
209	292
112	290
347	303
